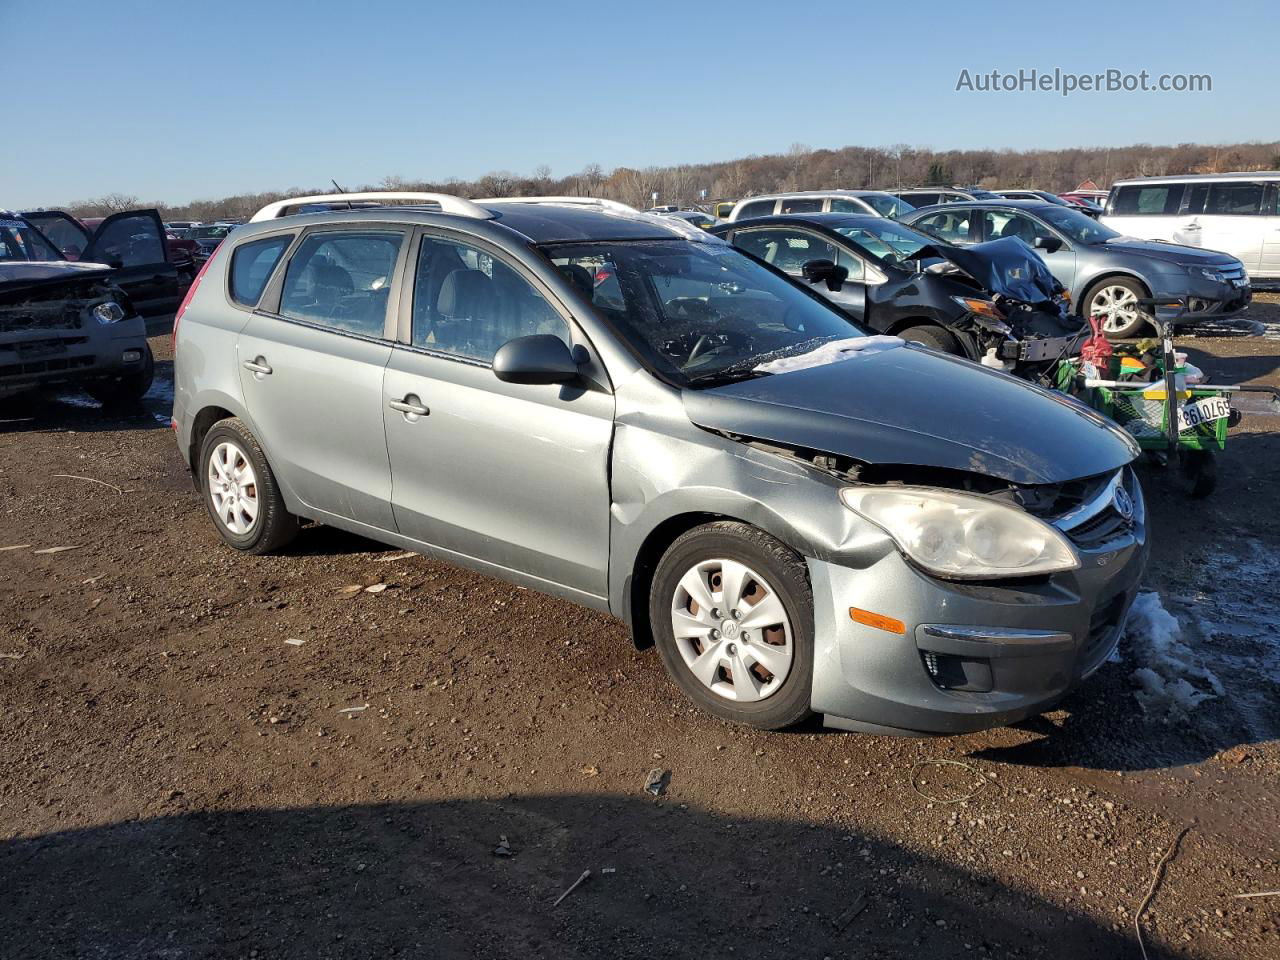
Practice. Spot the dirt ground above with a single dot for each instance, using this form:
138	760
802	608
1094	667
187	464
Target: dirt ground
178	780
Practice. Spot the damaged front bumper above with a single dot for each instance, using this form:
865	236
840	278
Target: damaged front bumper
34	358
973	655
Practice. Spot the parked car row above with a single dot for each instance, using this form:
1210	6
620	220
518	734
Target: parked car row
612	407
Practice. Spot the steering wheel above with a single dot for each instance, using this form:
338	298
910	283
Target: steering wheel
705	344
691	308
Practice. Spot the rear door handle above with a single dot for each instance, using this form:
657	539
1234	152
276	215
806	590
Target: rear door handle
410	406
258	365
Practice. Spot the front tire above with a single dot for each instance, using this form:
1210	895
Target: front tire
732	615
1114	300
126	389
935	338
240	491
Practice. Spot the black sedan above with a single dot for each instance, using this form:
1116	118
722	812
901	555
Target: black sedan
996	304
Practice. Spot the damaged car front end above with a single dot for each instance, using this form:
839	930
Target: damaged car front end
976	551
972	542
996	303
64	322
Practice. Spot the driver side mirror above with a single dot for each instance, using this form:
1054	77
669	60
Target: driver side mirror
540	358
818	270
1048	244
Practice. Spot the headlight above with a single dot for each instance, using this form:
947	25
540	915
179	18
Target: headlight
983	308
1209	273
108	312
963	537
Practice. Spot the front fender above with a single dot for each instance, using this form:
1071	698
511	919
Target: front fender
659	478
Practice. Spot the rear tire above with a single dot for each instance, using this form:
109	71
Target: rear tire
934	338
240	491
755	621
126	389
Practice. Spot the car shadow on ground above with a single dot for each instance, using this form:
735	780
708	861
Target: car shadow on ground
319	540
425	881
1234	370
71	409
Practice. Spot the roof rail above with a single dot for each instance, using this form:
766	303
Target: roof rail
447	202
614	205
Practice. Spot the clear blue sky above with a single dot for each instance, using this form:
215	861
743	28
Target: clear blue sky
176	101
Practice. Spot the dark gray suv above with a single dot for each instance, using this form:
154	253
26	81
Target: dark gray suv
624	410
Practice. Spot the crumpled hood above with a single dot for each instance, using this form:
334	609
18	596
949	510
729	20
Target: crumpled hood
24	271
1169	252
914	406
1007	266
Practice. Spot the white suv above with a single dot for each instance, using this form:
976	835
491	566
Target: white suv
1237	213
874	202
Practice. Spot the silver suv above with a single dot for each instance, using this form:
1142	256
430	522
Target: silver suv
624	410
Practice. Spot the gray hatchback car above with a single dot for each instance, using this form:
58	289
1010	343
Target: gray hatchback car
626	411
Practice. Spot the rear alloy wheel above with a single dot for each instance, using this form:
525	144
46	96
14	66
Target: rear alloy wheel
1116	301
240	491
732	613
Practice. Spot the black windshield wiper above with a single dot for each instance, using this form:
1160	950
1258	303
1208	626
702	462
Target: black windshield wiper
722	377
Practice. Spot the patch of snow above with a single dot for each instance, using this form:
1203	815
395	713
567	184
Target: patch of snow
832	352
1171	680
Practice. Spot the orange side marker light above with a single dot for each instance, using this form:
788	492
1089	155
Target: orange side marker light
877	620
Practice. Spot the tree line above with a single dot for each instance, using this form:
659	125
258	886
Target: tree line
800	168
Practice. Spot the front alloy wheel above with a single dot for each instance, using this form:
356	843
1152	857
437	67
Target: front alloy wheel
1117	304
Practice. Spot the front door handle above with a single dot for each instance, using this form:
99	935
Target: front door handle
410	406
258	365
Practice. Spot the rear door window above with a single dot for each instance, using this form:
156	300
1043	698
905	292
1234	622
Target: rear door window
1137	200
251	267
342	280
844	205
757	208
921	199
801	205
1239	199
949	225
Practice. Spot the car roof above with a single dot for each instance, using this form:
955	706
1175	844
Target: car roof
1250	175
829	220
556	223
538	220
991	204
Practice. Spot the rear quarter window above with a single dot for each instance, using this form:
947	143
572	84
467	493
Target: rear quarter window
251	267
